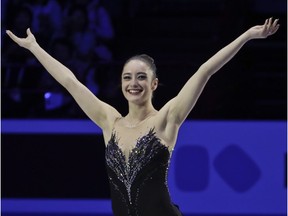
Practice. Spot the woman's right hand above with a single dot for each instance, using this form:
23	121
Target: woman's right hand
23	42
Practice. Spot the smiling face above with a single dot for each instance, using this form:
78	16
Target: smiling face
138	82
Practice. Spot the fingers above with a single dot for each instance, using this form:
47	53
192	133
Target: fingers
274	26
28	31
275	29
12	36
265	26
269	22
270	26
17	39
275	22
9	32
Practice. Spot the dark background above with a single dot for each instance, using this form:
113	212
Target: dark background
180	36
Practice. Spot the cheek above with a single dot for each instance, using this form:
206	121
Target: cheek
123	87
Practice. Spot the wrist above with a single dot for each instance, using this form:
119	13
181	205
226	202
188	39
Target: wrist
248	35
33	47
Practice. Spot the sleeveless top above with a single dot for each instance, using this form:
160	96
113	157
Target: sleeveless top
139	186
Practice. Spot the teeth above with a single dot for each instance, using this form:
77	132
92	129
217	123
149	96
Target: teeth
134	91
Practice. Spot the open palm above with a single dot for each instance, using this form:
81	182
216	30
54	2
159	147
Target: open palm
270	27
23	42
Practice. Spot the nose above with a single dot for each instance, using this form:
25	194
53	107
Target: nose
133	82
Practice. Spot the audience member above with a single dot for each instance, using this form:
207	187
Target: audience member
14	59
81	29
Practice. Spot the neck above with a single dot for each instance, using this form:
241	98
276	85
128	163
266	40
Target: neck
140	112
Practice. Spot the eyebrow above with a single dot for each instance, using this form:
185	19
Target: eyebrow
128	73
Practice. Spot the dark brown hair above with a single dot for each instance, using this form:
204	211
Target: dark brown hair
146	59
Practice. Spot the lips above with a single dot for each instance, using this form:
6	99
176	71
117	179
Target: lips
134	91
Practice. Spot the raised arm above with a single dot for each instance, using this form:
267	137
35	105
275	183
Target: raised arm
180	106
95	109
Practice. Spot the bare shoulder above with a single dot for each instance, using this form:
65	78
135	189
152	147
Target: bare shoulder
112	117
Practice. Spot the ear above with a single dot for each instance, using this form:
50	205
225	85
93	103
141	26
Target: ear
155	84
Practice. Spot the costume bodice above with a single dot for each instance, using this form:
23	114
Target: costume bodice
139	184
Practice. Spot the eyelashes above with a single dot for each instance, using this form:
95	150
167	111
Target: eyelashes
126	77
142	77
139	77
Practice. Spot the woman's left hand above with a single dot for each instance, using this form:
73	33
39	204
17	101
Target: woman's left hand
270	27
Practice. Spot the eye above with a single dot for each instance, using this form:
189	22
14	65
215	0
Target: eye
142	77
126	77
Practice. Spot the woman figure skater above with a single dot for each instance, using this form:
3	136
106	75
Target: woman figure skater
139	144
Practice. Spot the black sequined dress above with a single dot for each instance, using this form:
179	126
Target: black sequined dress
139	186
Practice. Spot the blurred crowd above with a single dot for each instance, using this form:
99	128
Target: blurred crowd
78	33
